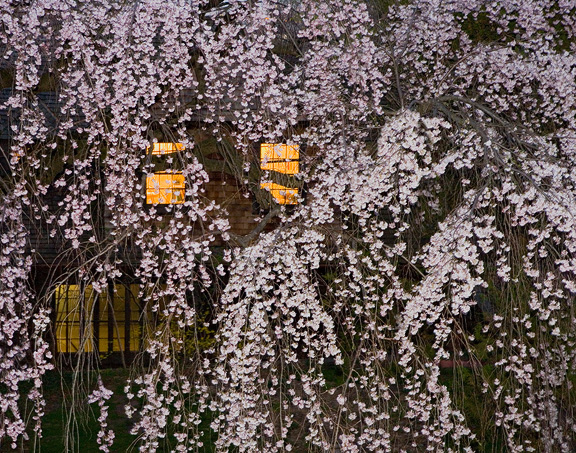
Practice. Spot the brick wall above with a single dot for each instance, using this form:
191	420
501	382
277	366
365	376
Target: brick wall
226	192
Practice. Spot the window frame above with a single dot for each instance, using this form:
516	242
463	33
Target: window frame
159	151
119	332
284	166
165	190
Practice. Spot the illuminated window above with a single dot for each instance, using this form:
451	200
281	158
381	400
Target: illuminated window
282	194
280	158
107	322
165	188
165	148
73	309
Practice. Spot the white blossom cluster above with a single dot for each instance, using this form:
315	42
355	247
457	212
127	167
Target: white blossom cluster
24	356
105	436
430	261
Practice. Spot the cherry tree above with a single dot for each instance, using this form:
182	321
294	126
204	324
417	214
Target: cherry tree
428	261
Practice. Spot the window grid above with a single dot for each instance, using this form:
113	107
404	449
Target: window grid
165	188
280	158
106	322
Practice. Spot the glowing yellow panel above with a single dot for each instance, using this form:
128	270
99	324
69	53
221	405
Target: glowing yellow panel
67	316
61	342
67	298
120	303
118	318
280	157
134	305
103	337
88	338
165	148
135	336
119	338
73	338
103	315
283	195
165	188
72	311
77	323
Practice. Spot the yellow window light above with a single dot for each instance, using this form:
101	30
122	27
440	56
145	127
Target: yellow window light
118	317
165	188
106	322
283	195
73	309
165	148
279	157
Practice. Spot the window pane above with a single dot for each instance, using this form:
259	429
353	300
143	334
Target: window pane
165	188
73	343
103	337
135	336
76	319
119	338
283	195
103	306
134	305
281	158
119	303
73	316
165	148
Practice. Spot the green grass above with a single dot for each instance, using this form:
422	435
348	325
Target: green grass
83	433
86	428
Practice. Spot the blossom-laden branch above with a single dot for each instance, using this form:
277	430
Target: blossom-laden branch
100	395
435	222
